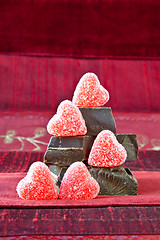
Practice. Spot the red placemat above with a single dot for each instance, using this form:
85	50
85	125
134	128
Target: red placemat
148	194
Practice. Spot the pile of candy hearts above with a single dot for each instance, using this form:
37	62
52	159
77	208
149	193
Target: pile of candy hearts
77	183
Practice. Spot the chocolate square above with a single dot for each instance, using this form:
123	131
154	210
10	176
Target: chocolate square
98	119
129	142
114	180
63	151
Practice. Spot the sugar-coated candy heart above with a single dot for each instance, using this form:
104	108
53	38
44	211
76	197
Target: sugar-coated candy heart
89	92
38	184
106	151
77	183
68	121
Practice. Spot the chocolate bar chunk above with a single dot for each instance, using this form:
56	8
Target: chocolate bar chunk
63	151
129	142
55	169
60	176
112	181
115	180
98	119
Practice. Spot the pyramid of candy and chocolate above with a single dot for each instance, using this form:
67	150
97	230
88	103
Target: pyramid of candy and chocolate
85	131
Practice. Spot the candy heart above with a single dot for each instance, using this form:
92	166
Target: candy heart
89	92
106	151
38	184
68	121
77	183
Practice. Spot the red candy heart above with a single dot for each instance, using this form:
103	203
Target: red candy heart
77	183
38	184
89	92
107	151
68	121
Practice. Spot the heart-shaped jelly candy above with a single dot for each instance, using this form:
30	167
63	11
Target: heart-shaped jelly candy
77	183
68	121
38	184
106	151
89	92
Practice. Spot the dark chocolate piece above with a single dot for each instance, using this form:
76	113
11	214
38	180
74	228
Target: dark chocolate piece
57	174
55	169
63	151
98	119
129	142
60	176
114	180
63	157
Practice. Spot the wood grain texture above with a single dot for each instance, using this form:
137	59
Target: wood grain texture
67	221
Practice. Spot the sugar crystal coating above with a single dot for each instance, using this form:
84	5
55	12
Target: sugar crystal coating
89	92
68	121
106	151
77	183
38	184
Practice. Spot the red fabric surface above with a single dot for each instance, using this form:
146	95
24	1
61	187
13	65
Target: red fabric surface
80	28
148	194
26	131
41	83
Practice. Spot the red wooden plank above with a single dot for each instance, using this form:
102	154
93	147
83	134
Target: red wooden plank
67	221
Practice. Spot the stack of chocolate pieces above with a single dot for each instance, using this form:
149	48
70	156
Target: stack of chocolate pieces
77	126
